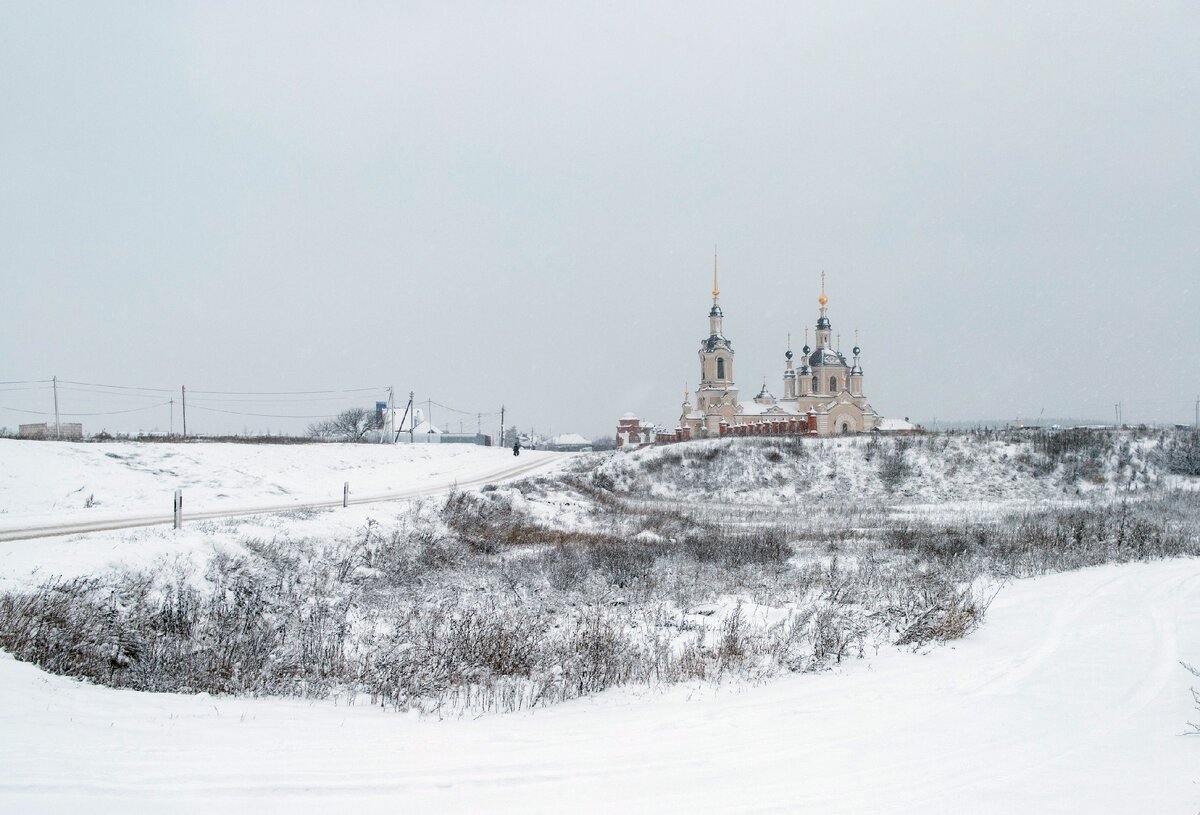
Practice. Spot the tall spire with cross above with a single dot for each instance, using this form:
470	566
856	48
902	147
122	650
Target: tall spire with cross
823	320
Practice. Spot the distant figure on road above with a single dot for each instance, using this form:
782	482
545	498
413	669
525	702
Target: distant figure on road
517	447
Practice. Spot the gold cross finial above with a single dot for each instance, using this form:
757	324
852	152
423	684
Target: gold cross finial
822	299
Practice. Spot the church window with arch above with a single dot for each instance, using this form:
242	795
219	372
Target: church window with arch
833	388
720	368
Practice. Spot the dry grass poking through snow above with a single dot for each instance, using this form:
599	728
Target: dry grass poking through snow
513	598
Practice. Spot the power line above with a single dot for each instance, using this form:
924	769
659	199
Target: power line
217	393
121	394
276	401
263	415
119	387
464	412
104	413
289	393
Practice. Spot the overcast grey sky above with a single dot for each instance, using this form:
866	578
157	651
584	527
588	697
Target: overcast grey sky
517	203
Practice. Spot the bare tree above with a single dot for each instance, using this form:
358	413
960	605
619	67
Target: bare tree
350	425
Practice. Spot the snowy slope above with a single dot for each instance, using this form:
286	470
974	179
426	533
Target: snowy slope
1069	700
42	482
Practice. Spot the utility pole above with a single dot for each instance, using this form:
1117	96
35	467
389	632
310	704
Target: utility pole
412	420
1117	412
183	394
391	417
57	426
478	424
502	425
1196	421
172	431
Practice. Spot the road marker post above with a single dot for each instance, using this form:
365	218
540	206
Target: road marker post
345	495
178	509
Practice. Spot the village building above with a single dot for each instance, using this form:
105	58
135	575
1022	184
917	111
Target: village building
633	433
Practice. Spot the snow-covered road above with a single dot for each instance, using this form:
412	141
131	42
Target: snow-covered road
64	488
1070	699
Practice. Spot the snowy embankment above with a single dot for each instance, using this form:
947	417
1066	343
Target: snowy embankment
962	471
44	482
1070	699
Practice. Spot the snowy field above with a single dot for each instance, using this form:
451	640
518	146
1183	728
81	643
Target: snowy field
42	483
1070	697
1069	700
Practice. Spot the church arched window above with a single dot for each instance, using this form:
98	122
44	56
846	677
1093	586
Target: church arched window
720	368
845	427
816	385
833	384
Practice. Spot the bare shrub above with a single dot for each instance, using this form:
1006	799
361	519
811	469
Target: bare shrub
734	549
952	616
894	467
1195	726
1181	453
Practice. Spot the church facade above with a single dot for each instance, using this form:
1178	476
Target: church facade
823	397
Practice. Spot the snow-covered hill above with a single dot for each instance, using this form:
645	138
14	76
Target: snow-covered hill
922	469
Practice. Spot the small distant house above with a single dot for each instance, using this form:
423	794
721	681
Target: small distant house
45	430
896	427
570	443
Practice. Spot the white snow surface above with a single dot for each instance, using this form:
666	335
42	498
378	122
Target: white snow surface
1070	699
45	482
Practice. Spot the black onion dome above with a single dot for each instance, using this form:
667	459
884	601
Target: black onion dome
823	322
824	356
805	350
857	350
789	353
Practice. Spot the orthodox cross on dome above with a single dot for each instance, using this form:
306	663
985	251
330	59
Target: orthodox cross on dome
822	299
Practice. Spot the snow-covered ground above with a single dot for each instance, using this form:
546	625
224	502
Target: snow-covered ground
1071	699
43	482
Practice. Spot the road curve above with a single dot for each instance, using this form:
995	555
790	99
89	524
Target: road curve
509	473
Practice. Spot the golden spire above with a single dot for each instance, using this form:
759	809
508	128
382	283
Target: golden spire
716	291
822	299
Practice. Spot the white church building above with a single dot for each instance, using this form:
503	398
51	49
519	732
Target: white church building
824	397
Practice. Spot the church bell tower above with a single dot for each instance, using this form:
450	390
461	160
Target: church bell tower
717	388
